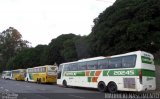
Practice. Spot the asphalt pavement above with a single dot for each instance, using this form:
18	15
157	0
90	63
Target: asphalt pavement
10	89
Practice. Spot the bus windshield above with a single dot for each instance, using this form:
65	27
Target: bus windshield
51	69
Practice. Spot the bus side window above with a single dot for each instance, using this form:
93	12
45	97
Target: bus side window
73	67
60	68
43	69
40	70
128	61
59	71
82	66
103	64
115	62
66	67
92	65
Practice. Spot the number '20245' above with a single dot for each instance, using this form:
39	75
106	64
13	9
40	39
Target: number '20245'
128	72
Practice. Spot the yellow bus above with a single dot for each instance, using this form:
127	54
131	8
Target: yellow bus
18	74
42	74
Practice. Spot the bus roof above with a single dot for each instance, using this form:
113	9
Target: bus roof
44	66
94	58
7	71
135	52
18	69
103	57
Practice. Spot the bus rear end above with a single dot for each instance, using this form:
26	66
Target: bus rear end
51	74
147	78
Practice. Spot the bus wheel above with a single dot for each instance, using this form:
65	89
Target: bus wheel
65	84
102	86
112	87
37	80
40	80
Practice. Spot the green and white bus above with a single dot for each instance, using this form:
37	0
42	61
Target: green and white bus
133	71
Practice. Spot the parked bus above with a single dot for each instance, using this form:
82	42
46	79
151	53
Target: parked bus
6	74
29	75
18	74
42	74
134	71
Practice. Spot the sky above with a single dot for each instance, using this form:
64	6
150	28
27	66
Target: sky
39	21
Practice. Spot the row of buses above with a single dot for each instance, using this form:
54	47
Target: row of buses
40	74
134	71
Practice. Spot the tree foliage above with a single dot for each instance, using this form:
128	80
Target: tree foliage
11	44
128	25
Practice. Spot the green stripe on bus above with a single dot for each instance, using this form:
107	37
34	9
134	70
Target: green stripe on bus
126	72
89	79
129	72
105	72
92	73
74	73
148	73
80	74
146	60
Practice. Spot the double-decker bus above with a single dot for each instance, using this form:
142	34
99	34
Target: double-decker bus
133	71
18	74
6	74
42	74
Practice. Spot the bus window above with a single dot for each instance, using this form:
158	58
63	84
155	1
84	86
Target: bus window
40	69
103	64
74	67
66	67
60	67
43	69
59	71
51	69
115	62
92	65
128	61
82	66
36	70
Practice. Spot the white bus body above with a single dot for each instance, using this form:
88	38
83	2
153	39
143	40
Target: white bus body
6	74
29	75
134	71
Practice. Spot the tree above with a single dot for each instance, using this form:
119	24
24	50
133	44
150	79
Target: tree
29	57
82	47
11	43
128	25
56	49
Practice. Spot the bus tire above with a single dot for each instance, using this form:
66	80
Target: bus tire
102	86
65	84
40	81
37	80
27	80
112	87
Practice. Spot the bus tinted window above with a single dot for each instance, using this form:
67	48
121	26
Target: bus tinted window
43	69
66	67
103	64
40	69
92	65
115	62
73	67
128	61
60	67
82	66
